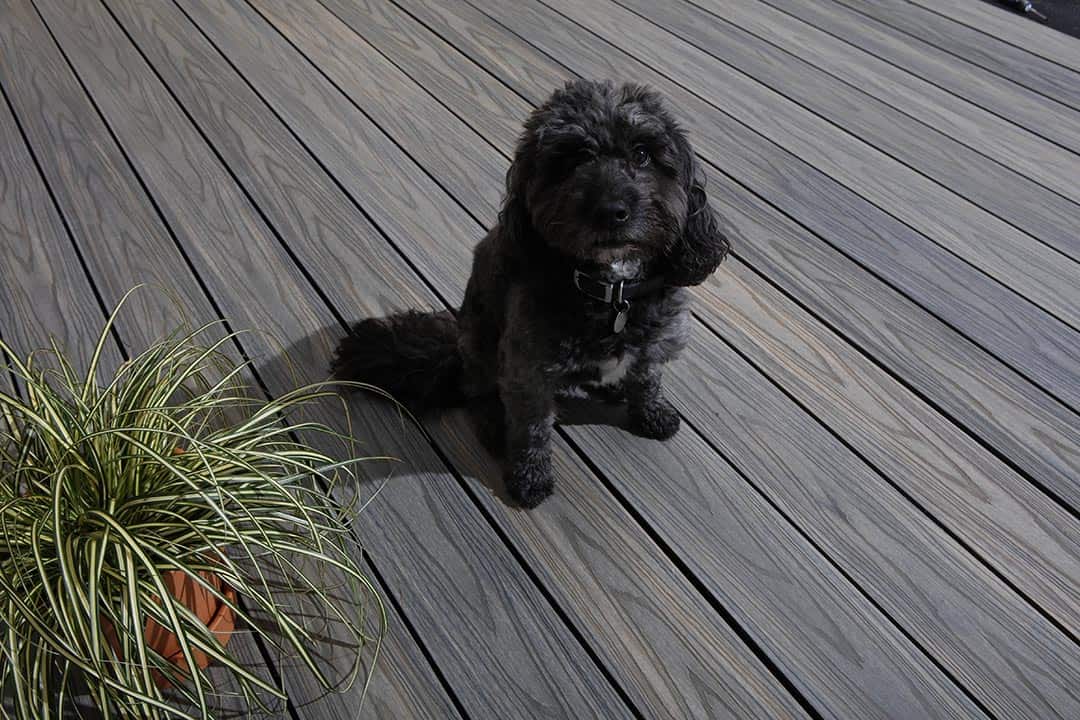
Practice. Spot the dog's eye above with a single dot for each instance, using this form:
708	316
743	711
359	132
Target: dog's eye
640	156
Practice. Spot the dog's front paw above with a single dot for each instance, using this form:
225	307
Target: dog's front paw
658	420
530	483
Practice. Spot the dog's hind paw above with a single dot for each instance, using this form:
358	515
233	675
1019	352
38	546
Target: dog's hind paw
658	420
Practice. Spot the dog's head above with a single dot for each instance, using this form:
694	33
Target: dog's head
603	173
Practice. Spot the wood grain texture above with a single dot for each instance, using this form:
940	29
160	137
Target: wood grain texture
1035	705
1038	39
1030	110
1007	254
424	259
1032	343
1002	408
761	569
1005	410
698	646
920	125
486	620
470	93
1008	61
37	262
999	514
401	108
362	152
125	243
1018	148
954	607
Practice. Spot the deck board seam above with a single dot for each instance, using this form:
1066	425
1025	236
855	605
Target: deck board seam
265	651
114	331
978	557
1073	203
929	80
960	57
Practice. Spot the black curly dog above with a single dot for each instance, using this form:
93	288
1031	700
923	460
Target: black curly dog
578	288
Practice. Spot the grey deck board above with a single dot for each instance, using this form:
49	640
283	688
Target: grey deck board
1045	208
1034	113
703	649
1017	65
1050	44
1010	145
988	243
126	243
871	510
241	261
1031	342
359	80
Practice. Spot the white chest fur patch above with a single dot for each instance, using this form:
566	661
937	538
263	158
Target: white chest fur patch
613	370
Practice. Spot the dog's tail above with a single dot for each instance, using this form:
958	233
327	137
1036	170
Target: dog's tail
412	355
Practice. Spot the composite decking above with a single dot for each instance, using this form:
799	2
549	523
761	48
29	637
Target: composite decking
872	508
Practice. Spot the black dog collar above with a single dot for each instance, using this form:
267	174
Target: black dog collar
616	294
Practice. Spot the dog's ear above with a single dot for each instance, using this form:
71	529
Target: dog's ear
514	220
703	245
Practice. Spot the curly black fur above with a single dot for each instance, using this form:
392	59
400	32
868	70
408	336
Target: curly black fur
411	355
603	181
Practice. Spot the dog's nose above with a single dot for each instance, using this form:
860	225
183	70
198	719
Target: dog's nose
615	212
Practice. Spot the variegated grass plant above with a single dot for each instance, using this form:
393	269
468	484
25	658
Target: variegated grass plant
173	464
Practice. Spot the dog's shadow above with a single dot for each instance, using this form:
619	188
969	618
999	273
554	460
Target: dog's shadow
383	428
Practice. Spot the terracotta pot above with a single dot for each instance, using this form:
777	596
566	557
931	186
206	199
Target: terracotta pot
218	617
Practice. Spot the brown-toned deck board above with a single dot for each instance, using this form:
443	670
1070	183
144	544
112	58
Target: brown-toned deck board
462	583
1031	342
799	502
648	584
1048	78
1049	634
